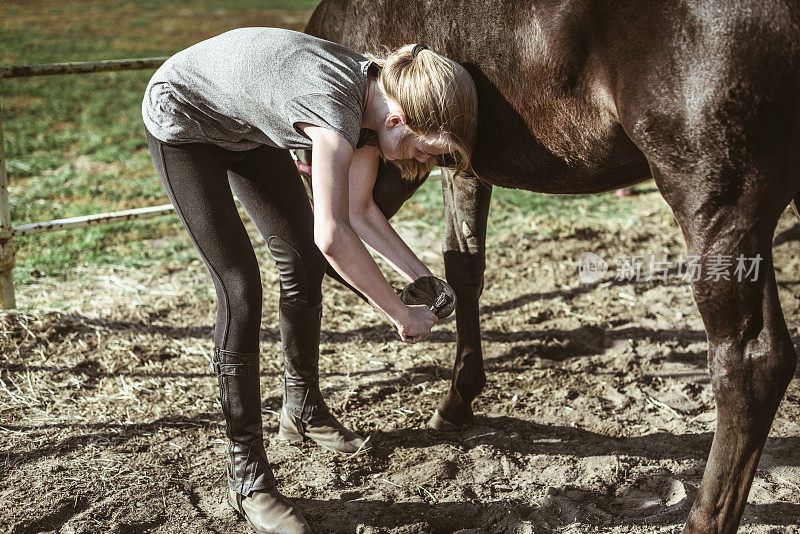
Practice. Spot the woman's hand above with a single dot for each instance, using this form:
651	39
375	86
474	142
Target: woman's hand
417	324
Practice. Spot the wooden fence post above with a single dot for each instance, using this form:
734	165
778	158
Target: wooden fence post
7	261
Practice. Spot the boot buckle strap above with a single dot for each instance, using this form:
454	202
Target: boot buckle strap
223	352
230	369
241	368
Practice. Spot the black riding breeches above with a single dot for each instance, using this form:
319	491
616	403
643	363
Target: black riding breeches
199	179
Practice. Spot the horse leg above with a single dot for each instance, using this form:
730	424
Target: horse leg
751	358
466	206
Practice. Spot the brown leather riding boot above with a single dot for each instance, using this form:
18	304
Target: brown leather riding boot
252	490
304	413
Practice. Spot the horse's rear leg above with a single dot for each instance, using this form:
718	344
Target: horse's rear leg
751	358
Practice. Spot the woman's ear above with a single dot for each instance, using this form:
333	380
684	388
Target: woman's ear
395	118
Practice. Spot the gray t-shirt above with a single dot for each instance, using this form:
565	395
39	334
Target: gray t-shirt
250	86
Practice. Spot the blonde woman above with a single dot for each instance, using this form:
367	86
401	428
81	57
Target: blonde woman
221	117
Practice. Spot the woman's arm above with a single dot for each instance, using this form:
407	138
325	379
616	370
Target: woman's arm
331	159
369	222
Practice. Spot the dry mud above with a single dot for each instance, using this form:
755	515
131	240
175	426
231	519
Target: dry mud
597	416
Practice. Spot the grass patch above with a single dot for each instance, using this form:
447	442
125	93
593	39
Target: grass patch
75	144
530	215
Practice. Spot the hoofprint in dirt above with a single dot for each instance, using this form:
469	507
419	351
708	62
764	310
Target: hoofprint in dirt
597	417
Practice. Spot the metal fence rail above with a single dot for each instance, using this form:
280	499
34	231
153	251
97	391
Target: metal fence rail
79	67
7	232
92	220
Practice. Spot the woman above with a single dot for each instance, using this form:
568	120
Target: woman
220	117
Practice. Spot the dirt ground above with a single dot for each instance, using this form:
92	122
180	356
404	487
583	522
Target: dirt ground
597	416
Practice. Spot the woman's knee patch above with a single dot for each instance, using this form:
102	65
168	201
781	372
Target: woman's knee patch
301	275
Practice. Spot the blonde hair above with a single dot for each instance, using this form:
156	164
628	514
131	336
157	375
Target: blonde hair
437	96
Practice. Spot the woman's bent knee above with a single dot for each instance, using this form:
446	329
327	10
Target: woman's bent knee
300	274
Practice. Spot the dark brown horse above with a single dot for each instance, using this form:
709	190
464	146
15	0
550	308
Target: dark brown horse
583	96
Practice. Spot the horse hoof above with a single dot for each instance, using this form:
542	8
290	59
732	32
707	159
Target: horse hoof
438	422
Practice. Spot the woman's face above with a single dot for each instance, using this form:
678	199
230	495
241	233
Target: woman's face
398	142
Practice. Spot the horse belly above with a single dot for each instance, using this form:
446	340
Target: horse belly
545	142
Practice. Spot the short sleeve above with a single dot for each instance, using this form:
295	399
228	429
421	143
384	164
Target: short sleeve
327	112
